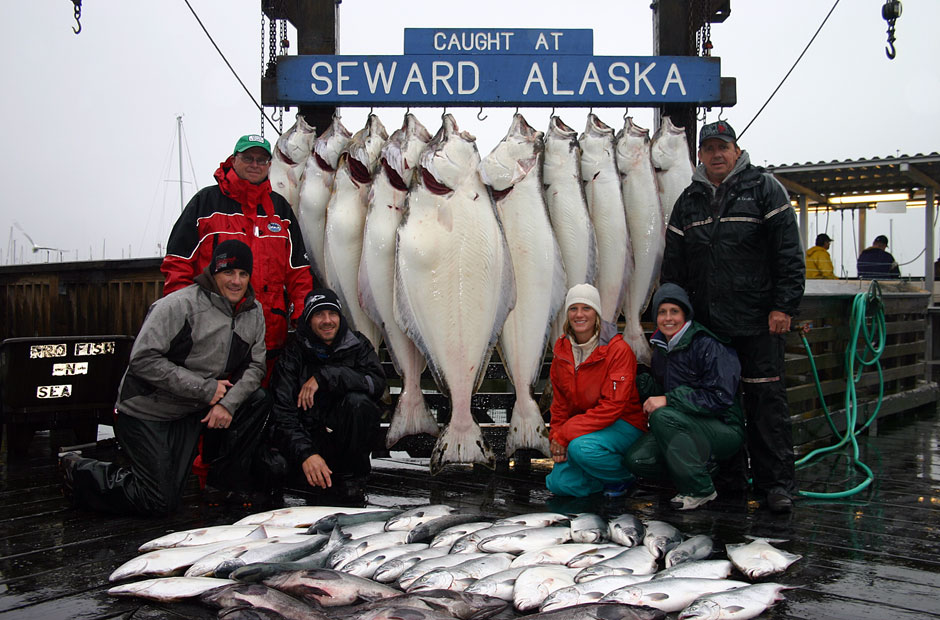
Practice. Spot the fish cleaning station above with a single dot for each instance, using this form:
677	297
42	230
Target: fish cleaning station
862	366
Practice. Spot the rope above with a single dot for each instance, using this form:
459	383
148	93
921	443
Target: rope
872	332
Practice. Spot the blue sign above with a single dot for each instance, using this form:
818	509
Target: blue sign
497	80
499	41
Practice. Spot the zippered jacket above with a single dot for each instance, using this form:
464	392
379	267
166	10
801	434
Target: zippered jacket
189	340
736	250
263	220
599	392
350	365
698	375
819	264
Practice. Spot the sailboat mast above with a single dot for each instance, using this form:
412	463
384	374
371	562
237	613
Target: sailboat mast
179	149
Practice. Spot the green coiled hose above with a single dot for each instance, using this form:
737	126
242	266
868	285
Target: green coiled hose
867	323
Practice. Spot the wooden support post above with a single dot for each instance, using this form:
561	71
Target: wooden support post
929	241
862	244
317	23
804	221
674	35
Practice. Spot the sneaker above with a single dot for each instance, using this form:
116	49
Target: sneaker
779	500
618	489
67	463
691	502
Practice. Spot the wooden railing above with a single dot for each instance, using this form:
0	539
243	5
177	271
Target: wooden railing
112	297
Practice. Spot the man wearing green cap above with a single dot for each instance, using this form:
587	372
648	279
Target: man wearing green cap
243	206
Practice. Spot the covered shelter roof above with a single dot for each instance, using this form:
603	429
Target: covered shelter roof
822	181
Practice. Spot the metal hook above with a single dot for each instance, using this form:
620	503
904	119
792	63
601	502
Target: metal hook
78	15
444	113
703	117
482	118
720	112
889	50
626	113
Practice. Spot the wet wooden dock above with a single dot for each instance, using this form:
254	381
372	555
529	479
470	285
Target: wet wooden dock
874	556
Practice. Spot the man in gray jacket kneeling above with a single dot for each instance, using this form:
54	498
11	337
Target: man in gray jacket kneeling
195	370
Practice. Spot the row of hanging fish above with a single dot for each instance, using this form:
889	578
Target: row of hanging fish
443	254
319	562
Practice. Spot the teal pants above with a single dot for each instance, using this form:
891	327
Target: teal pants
594	460
681	446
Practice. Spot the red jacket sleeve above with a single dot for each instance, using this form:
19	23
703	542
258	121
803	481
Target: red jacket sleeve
617	397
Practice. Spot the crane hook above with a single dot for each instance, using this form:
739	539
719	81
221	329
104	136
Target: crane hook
889	50
479	115
890	12
78	15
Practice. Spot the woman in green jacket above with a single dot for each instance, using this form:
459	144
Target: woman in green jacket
695	419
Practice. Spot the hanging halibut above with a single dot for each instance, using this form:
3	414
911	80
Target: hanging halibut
605	204
513	171
287	161
345	219
453	283
315	189
397	163
567	208
670	156
647	231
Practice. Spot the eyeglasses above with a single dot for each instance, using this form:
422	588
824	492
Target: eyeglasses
248	159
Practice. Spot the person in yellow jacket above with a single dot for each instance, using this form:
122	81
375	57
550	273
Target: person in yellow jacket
818	262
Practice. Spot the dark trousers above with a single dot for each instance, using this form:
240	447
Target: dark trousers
682	446
161	454
769	431
346	428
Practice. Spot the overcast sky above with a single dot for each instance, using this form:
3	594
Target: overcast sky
90	156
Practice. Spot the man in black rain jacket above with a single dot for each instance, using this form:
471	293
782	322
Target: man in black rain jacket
733	244
326	387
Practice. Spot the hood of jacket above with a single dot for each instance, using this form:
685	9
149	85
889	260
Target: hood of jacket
700	175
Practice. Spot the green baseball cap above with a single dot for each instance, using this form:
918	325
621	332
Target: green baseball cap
250	141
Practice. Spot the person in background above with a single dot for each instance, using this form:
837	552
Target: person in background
195	369
695	418
733	245
875	263
327	388
242	205
818	261
595	412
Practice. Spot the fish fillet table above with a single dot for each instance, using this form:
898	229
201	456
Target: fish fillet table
873	556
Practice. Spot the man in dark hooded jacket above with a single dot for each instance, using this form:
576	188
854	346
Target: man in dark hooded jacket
327	387
734	245
195	370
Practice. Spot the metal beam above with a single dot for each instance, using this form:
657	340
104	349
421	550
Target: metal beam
908	170
796	188
929	242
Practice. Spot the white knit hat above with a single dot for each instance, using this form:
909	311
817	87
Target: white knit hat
584	294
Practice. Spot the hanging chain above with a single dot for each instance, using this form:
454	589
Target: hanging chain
78	15
262	67
703	36
284	43
890	12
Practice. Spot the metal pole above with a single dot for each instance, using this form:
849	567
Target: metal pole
179	147
929	242
804	221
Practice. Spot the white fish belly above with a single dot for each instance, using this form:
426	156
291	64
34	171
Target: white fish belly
342	250
315	193
453	290
647	234
605	203
376	290
540	289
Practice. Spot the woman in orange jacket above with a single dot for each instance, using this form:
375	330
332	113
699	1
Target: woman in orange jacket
596	411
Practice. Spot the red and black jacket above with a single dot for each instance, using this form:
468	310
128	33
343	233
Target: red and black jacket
259	217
